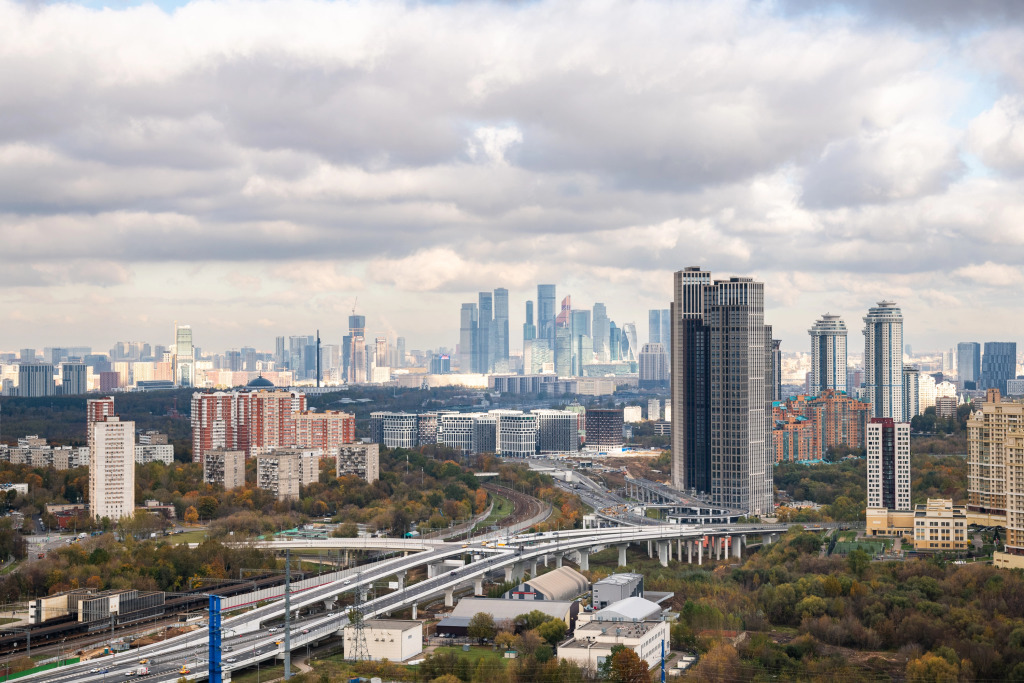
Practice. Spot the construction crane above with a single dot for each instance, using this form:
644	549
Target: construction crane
354	302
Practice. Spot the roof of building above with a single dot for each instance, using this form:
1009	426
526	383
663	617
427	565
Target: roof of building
563	583
260	382
500	608
619	579
628	609
395	624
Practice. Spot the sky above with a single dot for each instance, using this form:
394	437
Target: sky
257	169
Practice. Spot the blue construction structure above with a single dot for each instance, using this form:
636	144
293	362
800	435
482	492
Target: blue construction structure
214	654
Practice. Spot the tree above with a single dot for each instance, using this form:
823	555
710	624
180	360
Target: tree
721	663
191	515
627	667
552	630
481	626
530	620
858	561
480	500
931	668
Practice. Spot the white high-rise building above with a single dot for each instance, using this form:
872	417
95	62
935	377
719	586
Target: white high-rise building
888	450
828	354
883	360
111	468
184	357
515	434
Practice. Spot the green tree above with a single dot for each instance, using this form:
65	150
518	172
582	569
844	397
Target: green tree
858	561
553	631
481	626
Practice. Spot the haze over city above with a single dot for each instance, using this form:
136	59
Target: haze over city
252	168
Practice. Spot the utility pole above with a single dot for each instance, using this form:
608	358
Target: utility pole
287	613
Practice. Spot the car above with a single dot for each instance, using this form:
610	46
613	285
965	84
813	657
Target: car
272	629
305	630
184	670
143	661
228	648
94	670
232	660
278	642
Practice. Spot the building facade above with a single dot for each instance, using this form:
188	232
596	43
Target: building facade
828	354
721	368
283	471
998	365
358	459
515	434
224	467
604	427
888	451
883	360
968	364
653	366
111	468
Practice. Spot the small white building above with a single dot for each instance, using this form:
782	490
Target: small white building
146	453
634	622
395	640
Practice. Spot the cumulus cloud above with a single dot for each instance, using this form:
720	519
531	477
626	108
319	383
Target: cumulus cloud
290	155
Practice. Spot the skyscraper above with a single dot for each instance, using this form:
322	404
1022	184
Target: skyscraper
653	364
36	379
582	342
614	341
486	339
883	360
546	313
968	362
998	365
74	379
184	356
721	364
912	392
467	338
888	450
654	326
600	332
828	354
357	352
666	330
111	461
529	329
776	384
499	354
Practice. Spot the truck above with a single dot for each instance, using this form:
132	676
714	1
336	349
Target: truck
83	535
142	670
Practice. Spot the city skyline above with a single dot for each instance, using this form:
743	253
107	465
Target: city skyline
855	165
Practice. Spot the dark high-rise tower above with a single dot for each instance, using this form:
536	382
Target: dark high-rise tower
721	366
998	365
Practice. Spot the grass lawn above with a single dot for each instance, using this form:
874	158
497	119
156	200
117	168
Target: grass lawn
475	654
846	536
265	673
8	620
193	536
502	509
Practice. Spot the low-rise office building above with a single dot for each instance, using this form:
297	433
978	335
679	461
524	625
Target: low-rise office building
616	587
635	623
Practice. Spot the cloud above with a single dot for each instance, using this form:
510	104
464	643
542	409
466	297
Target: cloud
243	160
991	274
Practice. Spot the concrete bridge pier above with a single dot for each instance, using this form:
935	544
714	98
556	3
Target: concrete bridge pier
689	552
533	568
478	585
329	603
545	561
364	593
737	546
401	579
558	560
449	597
650	550
622	555
414	611
679	550
700	552
585	560
663	551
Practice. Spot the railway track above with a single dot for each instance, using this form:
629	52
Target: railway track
523	506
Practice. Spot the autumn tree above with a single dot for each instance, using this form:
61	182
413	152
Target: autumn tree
481	626
720	663
191	515
480	500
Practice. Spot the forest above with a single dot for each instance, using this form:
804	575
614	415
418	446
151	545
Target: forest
841	488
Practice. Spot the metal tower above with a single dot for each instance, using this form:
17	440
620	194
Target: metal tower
360	651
